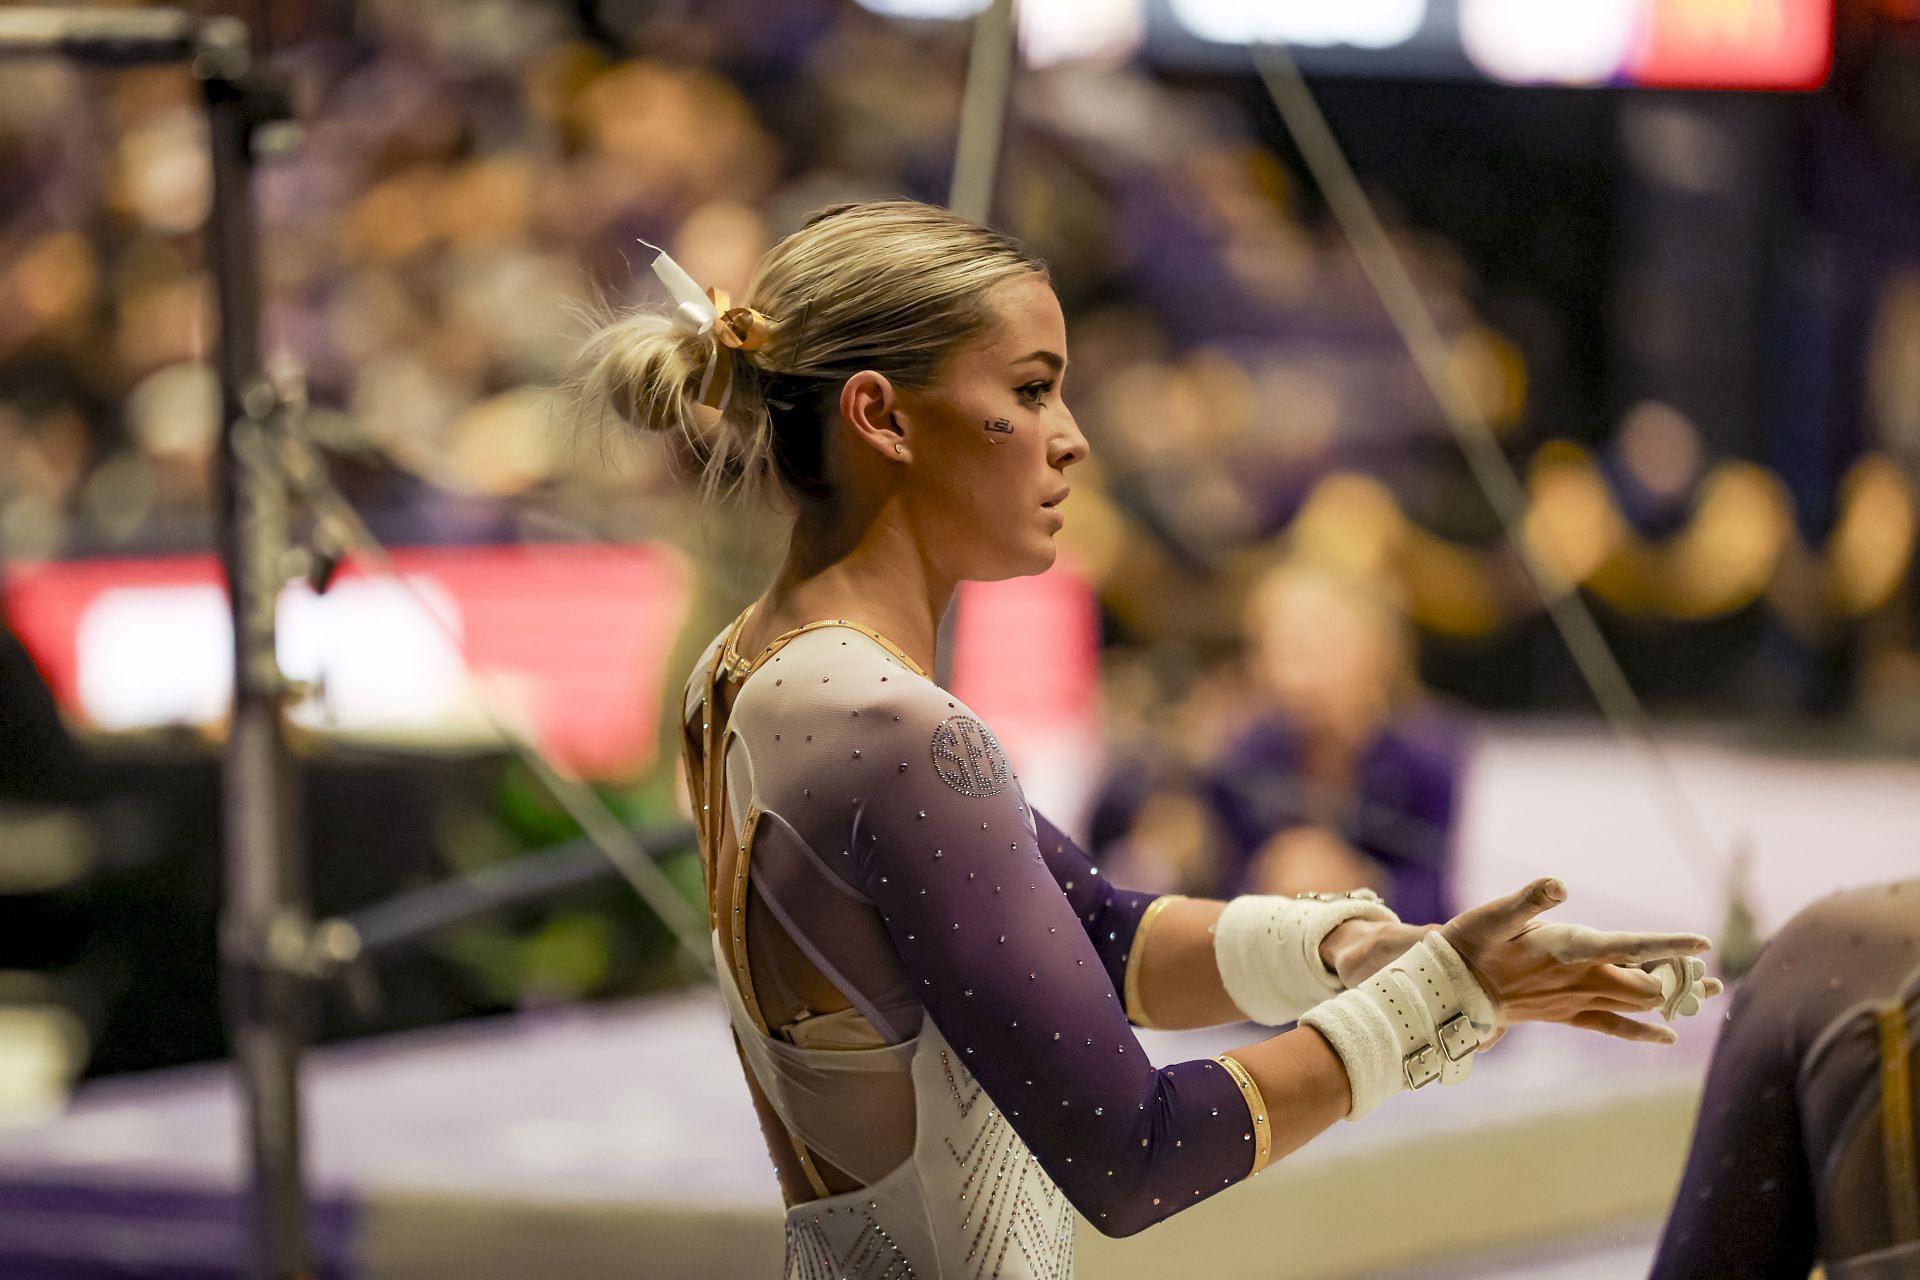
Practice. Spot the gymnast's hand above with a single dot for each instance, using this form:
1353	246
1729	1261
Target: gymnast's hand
1587	978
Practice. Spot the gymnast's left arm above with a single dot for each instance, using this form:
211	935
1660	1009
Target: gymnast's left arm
1194	962
1160	950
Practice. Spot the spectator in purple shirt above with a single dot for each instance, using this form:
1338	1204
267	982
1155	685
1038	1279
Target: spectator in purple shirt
1340	781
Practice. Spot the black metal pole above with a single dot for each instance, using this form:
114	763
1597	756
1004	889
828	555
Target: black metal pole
266	938
265	926
407	918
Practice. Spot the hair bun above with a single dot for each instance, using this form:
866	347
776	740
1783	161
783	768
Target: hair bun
894	286
646	368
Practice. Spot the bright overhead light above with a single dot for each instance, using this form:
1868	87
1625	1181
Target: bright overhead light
1054	31
1366	24
1566	42
929	9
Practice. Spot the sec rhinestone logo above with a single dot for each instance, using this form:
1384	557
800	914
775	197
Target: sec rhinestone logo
969	758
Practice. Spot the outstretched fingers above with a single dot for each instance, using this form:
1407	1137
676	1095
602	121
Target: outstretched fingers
1635	1004
1615	982
1614	1024
1603	947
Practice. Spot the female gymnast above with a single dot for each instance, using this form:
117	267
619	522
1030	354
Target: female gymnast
932	989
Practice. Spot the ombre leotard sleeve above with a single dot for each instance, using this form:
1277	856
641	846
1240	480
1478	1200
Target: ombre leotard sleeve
1020	972
1108	914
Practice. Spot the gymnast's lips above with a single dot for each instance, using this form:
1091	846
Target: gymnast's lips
1057	499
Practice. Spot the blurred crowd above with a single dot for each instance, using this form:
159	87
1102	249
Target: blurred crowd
1275	505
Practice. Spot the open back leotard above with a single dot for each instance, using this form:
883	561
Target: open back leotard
986	1083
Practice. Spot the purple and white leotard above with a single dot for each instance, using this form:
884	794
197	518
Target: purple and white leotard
987	1082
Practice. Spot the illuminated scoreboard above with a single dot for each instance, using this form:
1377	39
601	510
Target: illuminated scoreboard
1700	44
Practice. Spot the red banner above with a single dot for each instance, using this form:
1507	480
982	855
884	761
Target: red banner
569	643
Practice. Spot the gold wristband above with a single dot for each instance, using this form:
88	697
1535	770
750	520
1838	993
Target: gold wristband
1130	993
1261	1134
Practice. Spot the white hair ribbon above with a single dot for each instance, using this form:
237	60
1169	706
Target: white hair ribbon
705	313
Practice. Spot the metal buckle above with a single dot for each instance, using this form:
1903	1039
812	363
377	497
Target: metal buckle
1426	1059
1458	1030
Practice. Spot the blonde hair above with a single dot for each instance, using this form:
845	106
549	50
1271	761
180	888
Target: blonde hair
894	286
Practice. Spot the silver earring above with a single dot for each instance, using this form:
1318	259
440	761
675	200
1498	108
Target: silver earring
899	448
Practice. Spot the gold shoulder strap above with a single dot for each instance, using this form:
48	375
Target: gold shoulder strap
1896	1123
713	826
711	778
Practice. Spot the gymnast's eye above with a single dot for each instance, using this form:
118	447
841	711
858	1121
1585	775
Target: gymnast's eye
1033	391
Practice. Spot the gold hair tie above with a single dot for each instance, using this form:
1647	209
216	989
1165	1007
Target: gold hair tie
734	329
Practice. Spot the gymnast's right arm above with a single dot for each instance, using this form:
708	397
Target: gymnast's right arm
998	957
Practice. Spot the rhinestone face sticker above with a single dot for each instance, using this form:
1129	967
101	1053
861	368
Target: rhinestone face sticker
969	758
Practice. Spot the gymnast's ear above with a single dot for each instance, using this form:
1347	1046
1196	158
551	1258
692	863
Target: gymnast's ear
870	406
